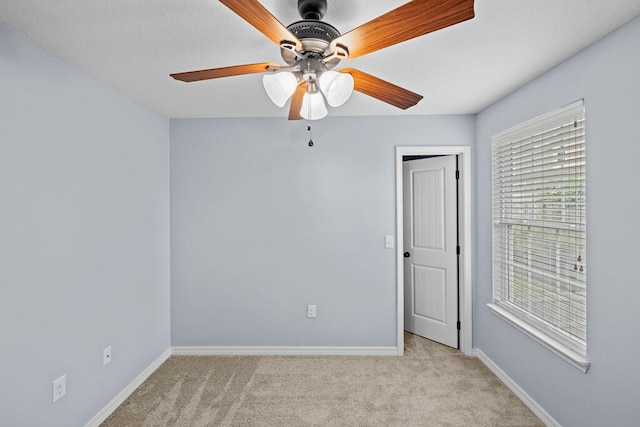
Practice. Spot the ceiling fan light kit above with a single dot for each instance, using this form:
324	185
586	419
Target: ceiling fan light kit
313	107
337	87
280	86
312	48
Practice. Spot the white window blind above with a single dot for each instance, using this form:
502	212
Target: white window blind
539	225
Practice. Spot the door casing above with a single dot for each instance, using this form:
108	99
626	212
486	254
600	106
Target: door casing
464	221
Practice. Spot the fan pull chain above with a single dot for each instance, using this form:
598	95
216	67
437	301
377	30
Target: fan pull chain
310	140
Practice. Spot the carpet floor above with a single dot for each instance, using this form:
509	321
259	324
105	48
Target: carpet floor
432	385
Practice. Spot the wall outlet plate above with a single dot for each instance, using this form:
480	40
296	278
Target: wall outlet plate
59	388
311	311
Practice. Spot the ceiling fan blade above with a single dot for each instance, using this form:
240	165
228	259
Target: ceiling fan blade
257	15
296	101
413	19
382	89
215	73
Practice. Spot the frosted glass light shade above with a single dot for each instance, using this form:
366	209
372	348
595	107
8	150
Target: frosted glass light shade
336	87
280	86
313	107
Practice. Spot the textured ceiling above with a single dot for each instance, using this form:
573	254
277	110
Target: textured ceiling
134	45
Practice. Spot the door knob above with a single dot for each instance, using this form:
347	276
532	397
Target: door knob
407	254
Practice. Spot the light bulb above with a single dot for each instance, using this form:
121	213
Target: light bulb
313	107
336	87
280	86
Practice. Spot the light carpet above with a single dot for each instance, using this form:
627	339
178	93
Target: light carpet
431	385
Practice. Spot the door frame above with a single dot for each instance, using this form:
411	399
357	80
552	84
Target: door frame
464	235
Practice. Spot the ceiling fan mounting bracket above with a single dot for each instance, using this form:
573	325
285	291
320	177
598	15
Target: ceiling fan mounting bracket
272	69
289	52
339	53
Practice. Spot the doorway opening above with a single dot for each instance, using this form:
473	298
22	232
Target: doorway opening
464	239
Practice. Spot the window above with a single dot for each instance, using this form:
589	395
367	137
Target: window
539	230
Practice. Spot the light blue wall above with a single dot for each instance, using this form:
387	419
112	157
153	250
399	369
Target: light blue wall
84	237
607	76
262	225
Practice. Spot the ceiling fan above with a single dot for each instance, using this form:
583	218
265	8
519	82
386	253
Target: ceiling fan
312	48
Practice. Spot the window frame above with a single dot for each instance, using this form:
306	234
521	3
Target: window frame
569	346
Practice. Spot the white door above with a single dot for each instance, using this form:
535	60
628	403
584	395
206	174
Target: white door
430	239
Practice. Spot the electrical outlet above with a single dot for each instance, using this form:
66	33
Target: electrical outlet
106	356
311	311
59	388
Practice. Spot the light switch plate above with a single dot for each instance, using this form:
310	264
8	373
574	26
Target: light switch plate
388	242
106	356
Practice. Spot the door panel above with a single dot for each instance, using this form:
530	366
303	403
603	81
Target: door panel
429	293
430	235
428	209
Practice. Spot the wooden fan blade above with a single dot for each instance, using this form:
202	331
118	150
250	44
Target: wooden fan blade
382	90
413	19
215	73
296	101
257	15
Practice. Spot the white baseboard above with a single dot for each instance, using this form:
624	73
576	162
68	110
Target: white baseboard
282	351
120	397
517	390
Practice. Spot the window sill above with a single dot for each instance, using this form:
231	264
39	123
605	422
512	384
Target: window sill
551	344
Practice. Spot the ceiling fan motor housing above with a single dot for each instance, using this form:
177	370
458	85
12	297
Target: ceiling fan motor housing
316	37
311	29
